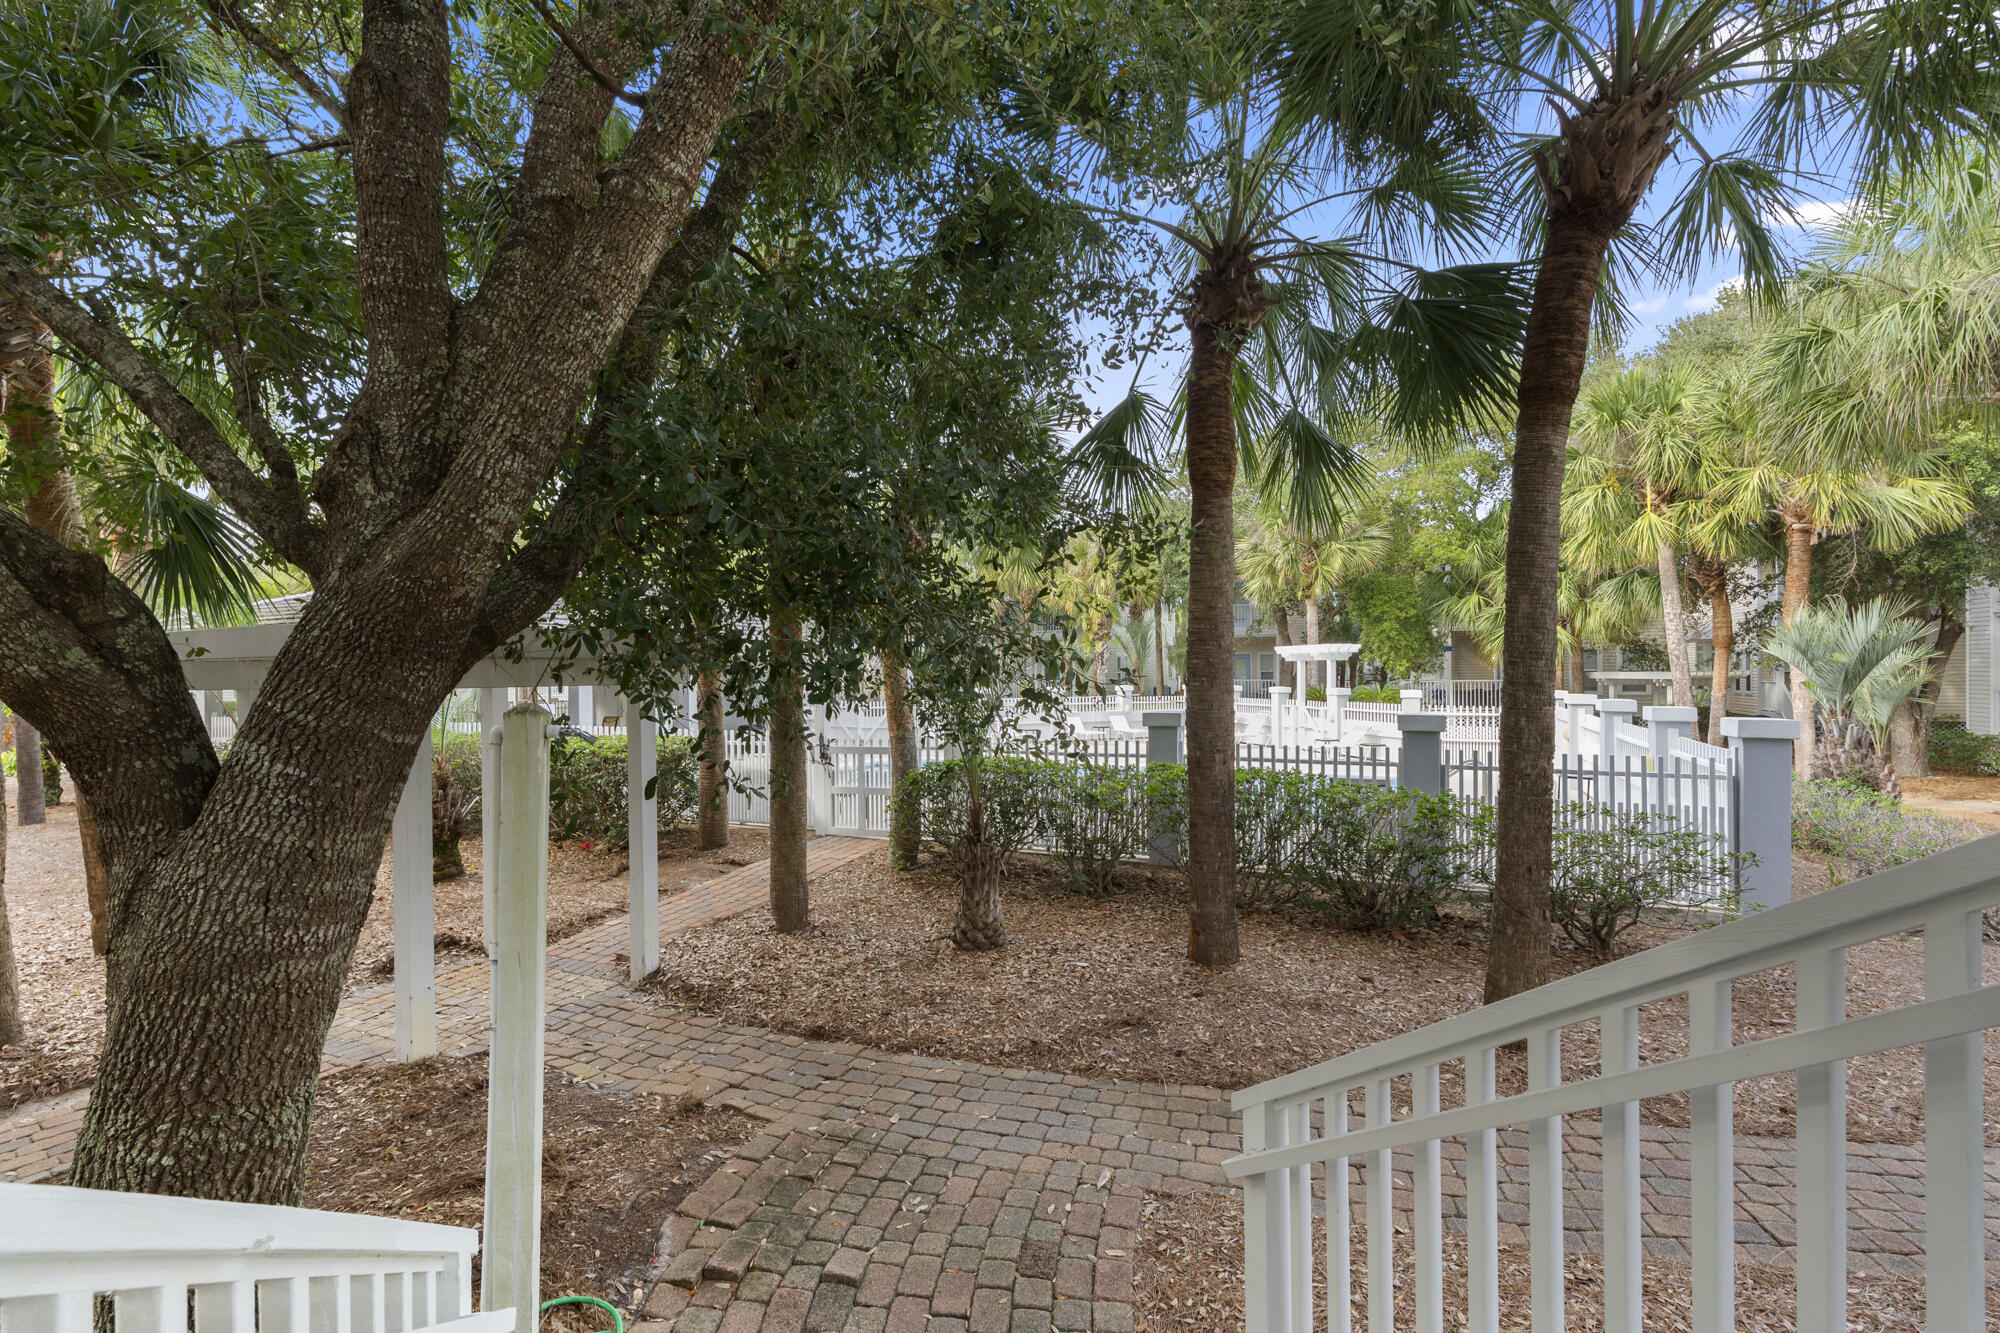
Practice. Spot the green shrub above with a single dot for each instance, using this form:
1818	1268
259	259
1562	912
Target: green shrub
588	787
1609	866
1007	791
1277	816
1382	857
1093	818
1860	832
1958	751
1376	694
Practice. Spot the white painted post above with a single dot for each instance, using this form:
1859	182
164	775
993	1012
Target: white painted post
1482	1203
1379	1182
1281	700
1624	1285
1427	1200
1822	1148
1761	798
513	1242
642	760
1954	1136
415	913
819	778
1663	724
492	704
1711	1117
1610	713
1576	705
1266	1230
1336	707
1546	1312
1413	701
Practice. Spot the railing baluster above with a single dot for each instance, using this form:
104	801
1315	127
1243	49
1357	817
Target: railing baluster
1427	1207
144	1309
1381	1186
63	1312
365	1303
1266	1229
1339	1218
1712	1117
1482	1203
1545	1188
225	1307
332	1305
395	1302
282	1306
1954	1137
1820	1221
1623	1282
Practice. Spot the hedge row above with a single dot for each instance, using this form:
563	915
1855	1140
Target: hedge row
587	784
1360	854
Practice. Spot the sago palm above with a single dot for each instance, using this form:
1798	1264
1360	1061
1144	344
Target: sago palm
1860	662
1290	336
1762	97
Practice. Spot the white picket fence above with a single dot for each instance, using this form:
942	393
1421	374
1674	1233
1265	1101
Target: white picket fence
1305	1135
240	1268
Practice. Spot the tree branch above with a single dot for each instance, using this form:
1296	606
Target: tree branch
276	513
591	67
227	14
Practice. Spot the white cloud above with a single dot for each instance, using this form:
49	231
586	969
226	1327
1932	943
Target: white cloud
1651	306
1711	298
1810	214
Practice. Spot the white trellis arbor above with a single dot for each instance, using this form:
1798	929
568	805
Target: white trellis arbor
237	658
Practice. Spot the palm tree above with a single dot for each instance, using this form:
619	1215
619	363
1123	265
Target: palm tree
1630	85
1635	465
1284	562
1286	333
1861	664
1773	463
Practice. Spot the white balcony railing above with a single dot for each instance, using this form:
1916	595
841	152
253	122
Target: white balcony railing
1302	1135
249	1268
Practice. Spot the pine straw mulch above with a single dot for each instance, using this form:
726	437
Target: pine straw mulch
1190	1280
62	980
410	1141
1100	986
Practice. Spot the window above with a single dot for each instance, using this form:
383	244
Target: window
1742	671
1267	666
1242	666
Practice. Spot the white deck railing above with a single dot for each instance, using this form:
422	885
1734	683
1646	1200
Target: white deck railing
249	1268
1300	1132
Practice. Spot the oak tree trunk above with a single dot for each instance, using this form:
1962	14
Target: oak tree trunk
1799	538
31	801
12	1032
1558	338
712	790
1673	612
1211	633
96	879
905	820
1910	727
978	925
789	905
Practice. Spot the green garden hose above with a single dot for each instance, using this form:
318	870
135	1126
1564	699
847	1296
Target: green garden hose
617	1320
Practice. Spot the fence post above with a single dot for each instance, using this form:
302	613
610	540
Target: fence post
1336	708
1611	712
513	1236
1421	763
1761	805
414	911
819	776
642	851
1665	722
1163	746
1281	699
1578	705
1413	700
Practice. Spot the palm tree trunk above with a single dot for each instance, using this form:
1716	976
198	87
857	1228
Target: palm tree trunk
1159	646
789	903
12	1032
1281	623
1798	590
1673	611
1722	629
905	832
1312	636
1211	704
712	794
978	926
1558	338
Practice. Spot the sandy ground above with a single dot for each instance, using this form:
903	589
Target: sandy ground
62	981
1976	799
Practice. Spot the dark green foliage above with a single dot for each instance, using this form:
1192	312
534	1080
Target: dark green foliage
1860	832
1009	789
1093	819
587	784
1610	866
1958	751
51	778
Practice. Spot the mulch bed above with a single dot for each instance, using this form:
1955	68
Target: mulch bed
1100	986
410	1141
1190	1280
62	981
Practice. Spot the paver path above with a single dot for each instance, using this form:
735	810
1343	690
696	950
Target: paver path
899	1192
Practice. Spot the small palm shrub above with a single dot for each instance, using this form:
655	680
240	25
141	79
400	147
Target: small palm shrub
1008	791
1860	832
1610	866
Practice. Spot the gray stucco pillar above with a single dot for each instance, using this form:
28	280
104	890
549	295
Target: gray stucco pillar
1163	746
1761	790
1421	763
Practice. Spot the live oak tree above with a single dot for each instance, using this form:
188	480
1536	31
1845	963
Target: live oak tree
409	272
1759	98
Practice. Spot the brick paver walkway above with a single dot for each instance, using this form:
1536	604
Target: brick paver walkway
899	1192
